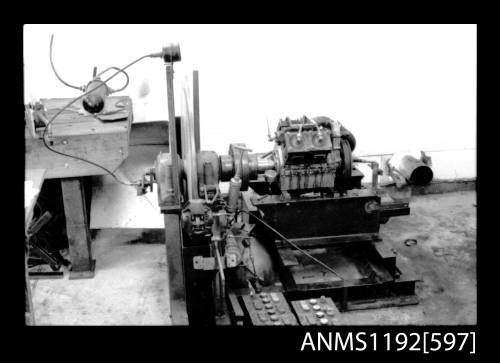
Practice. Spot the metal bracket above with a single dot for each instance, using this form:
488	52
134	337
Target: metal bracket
204	263
146	182
208	263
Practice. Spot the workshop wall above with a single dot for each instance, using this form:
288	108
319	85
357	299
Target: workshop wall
396	88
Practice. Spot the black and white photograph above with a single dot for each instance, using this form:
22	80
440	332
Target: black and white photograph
246	175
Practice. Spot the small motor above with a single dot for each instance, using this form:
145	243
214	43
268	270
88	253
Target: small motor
95	100
98	90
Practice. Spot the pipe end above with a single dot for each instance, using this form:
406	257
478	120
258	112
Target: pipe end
421	175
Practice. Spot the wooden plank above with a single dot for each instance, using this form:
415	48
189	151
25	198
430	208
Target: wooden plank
176	284
76	224
70	122
149	133
106	150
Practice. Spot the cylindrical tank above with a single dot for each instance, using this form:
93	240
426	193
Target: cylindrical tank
412	169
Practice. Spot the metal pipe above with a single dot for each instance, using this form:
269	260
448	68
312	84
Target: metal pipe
172	130
374	166
258	164
415	171
375	170
234	194
264	164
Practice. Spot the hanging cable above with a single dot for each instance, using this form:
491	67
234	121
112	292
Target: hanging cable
118	69
293	244
344	299
54	69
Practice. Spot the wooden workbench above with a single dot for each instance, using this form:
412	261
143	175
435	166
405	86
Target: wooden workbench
79	134
104	143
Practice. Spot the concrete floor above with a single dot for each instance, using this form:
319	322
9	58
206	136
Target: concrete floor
444	226
129	287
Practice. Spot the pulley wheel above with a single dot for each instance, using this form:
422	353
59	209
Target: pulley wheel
346	154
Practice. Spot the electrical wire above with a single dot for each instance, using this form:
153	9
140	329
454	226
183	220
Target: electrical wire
75	100
118	69
99	74
54	69
293	244
344	287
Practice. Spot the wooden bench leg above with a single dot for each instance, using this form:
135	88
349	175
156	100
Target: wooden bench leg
77	229
29	314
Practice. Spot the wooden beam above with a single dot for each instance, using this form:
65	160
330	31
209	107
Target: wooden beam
176	284
79	241
29	313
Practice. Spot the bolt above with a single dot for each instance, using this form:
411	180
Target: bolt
275	297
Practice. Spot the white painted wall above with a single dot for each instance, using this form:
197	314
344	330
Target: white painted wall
396	87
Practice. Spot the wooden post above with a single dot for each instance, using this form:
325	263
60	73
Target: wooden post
29	314
177	287
77	228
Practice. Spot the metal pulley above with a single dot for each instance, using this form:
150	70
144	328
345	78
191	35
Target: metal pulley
346	154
